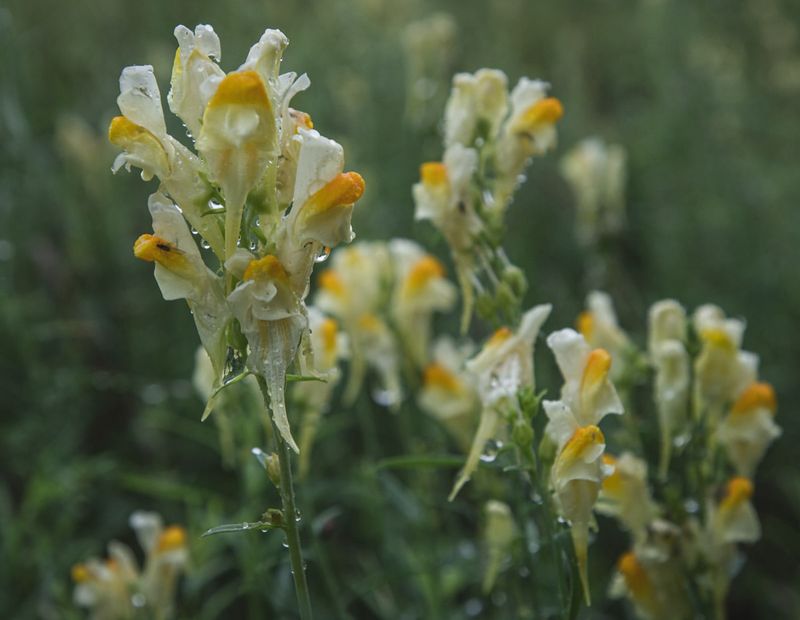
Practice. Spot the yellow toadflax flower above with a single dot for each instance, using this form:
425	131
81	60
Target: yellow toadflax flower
625	495
421	288
118	588
502	368
670	360
586	398
599	327
448	393
749	428
722	370
181	274
328	345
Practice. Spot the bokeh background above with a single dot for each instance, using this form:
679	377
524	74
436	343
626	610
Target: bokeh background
99	416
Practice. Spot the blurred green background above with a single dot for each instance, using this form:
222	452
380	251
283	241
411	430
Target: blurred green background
98	413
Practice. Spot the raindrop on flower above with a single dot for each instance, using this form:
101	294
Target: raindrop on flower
214	205
205	244
194	230
323	255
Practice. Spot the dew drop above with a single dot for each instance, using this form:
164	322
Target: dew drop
194	230
214	205
205	244
253	246
323	255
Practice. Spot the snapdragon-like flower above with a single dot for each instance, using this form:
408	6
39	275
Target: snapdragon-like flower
329	346
666	347
266	193
421	288
625	495
385	295
448	393
749	428
586	398
181	273
733	519
502	368
596	173
599	326
489	139
722	370
117	587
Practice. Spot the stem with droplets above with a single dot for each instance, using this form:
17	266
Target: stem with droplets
290	515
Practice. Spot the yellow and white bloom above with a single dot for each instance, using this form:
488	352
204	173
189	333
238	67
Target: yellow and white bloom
117	587
448	393
502	368
596	173
479	98
181	274
599	326
733	519
328	345
722	370
625	494
634	581
421	288
670	360
142	135
529	130
588	392
749	428
586	398
444	196
355	290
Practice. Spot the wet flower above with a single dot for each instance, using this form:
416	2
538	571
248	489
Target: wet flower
181	273
502	368
489	139
586	398
266	193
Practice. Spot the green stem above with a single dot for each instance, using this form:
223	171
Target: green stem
290	517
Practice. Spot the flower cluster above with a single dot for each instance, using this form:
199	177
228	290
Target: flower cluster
265	192
384	296
117	588
715	412
490	136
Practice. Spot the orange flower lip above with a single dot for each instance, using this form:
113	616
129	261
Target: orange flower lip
241	88
268	266
757	395
433	173
437	375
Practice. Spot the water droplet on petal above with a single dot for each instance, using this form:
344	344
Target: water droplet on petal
323	255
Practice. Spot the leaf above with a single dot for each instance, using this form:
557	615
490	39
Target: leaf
212	399
262	526
298	378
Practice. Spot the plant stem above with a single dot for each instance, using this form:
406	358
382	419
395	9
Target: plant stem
290	516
